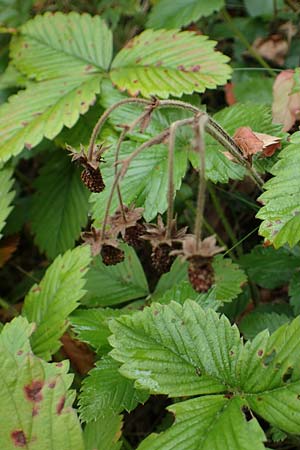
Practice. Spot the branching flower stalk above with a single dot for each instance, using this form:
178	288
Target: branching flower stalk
212	128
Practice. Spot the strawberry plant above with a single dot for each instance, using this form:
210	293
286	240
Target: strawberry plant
149	225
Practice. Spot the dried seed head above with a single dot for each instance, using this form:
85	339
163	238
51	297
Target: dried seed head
107	247
161	258
93	180
111	255
133	235
201	275
163	246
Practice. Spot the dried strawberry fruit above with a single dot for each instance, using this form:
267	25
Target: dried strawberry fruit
91	175
132	235
199	255
161	258
162	245
93	180
111	255
201	275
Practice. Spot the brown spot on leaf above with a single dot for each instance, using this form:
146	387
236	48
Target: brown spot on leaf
135	81
260	352
36	289
228	395
155	312
88	67
82	103
52	384
35	411
20	352
138	60
79	92
28	146
19	438
33	391
158	63
59	364
196	68
60	405
24	124
181	68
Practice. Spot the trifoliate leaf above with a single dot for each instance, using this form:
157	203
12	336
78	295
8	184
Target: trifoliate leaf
145	182
177	14
104	433
106	390
169	62
111	285
43	109
49	303
183	350
6	195
41	53
172	349
209	422
281	200
59	189
36	403
270	268
257	321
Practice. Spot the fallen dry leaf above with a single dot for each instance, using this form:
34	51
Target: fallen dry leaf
229	94
286	106
251	142
81	356
7	248
274	48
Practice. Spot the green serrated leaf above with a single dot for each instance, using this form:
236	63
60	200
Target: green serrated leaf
281	200
49	303
41	53
6	195
111	285
104	433
145	183
270	268
169	62
209	423
229	279
36	403
177	14
106	390
182	291
183	350
183	341
255	322
59	206
91	326
43	109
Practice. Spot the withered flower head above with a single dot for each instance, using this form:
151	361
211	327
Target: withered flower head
200	270
91	175
162	244
205	250
127	223
107	247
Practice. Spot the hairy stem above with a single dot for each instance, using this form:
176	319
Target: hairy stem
124	167
199	128
105	116
119	143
